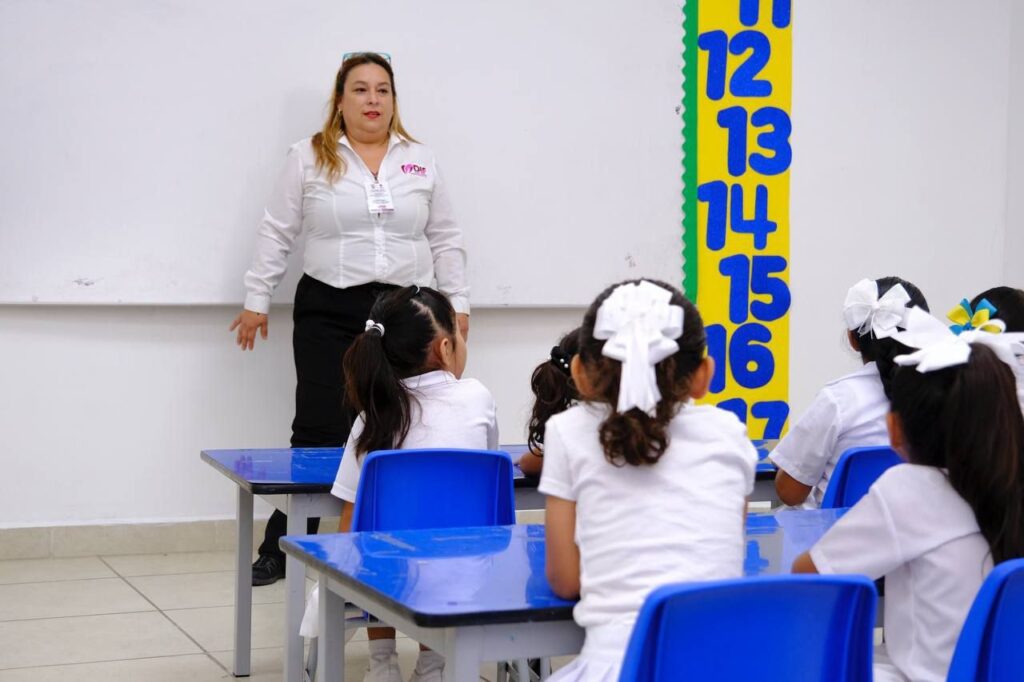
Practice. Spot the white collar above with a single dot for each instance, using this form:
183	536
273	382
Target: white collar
427	379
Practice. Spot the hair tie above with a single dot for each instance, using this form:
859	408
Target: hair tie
561	360
641	326
370	324
965	319
865	312
939	347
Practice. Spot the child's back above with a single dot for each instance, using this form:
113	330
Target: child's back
639	527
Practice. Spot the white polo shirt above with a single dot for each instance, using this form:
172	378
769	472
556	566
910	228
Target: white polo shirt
639	527
847	413
346	245
915	530
446	413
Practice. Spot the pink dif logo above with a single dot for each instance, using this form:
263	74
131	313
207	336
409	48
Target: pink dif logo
414	169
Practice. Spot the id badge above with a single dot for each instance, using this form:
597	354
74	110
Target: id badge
378	197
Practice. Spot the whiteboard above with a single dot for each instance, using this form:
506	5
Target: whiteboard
141	139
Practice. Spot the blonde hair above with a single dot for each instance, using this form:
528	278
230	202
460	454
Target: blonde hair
325	142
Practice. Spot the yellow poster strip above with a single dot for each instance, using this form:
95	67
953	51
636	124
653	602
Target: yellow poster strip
743	50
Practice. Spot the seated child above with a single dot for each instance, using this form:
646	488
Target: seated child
553	392
644	487
404	379
935	526
850	411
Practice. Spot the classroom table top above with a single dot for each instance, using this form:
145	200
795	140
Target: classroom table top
474	576
290	471
283	471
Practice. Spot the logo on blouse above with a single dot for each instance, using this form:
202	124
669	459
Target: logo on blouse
414	169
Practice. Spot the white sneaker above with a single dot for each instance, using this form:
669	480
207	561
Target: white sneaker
429	667
383	662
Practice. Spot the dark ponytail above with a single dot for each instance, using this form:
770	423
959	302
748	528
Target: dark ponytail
967	419
634	437
376	363
553	388
882	351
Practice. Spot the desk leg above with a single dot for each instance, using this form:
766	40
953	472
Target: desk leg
331	642
243	584
294	591
462	655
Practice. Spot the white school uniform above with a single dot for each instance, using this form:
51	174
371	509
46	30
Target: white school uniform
640	527
847	413
446	413
915	530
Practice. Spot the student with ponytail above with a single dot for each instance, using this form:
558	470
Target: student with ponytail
935	526
403	376
625	469
553	392
850	411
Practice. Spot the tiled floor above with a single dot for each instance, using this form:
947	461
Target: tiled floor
151	618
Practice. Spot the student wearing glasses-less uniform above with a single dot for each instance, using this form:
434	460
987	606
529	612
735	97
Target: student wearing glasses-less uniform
376	217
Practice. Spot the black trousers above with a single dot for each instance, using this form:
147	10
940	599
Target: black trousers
326	320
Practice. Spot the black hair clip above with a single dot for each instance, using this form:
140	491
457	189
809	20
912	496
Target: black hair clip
561	360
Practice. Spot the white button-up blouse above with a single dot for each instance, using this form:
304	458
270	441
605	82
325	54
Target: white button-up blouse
346	245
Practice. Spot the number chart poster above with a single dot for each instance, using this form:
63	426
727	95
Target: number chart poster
736	128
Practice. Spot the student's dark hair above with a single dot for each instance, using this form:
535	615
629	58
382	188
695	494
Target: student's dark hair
553	388
967	419
376	363
882	351
634	437
1009	304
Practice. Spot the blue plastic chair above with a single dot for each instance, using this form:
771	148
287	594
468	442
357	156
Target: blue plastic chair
989	648
855	471
410	490
821	630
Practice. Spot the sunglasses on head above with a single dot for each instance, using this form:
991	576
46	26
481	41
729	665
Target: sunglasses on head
383	55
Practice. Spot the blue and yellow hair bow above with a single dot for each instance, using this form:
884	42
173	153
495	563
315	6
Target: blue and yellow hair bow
980	318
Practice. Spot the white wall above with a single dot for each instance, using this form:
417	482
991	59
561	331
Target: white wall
103	410
900	116
1013	255
901	166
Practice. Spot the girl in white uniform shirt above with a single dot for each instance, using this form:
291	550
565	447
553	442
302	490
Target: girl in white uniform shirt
403	376
848	412
376	215
644	488
935	526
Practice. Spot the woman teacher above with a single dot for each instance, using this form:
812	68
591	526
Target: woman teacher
376	215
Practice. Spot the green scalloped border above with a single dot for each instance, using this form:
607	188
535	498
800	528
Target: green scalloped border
690	11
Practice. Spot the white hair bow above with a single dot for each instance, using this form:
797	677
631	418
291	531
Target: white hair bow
865	312
939	347
641	327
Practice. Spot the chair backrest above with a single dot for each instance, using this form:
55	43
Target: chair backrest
437	488
784	627
989	648
855	471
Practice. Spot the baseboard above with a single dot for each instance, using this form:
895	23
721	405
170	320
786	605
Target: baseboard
44	542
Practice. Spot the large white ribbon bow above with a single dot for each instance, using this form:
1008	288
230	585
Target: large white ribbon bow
938	347
640	326
865	312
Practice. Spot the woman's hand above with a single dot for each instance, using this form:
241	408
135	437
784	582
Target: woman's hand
462	319
247	323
